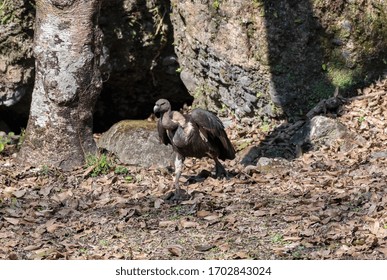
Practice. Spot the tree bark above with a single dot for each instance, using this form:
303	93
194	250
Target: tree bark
67	48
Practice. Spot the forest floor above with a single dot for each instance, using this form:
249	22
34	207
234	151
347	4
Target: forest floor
324	204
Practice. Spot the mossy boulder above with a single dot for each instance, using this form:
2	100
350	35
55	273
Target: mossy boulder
136	142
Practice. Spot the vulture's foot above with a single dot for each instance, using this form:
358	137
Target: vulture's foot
178	195
220	172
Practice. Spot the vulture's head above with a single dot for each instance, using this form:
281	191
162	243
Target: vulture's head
161	106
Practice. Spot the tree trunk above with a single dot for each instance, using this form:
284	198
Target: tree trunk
67	83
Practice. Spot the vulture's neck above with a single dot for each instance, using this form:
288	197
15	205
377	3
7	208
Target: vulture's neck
167	122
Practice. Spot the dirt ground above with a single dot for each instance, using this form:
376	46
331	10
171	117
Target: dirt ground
325	204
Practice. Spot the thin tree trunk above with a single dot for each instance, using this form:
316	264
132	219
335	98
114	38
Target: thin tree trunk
67	83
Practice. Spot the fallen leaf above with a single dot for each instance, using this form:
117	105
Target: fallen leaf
203	213
45	191
260	213
307	232
241	255
167	223
188	224
12	220
6	234
19	193
33	247
204	248
212	217
224	247
175	250
158	203
292	218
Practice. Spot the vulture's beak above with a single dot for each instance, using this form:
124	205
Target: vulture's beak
156	110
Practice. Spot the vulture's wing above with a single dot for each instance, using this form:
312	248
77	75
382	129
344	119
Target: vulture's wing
212	127
163	136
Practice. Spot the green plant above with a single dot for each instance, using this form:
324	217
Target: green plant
101	164
129	179
44	170
320	90
361	119
265	127
341	77
121	170
277	238
5	140
22	137
103	242
6	13
83	250
257	3
216	4
259	94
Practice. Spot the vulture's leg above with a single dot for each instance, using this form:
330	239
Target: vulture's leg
179	194
179	160
219	169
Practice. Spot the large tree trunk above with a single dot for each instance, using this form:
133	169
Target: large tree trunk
67	83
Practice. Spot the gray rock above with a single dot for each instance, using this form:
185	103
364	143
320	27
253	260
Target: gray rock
136	143
320	131
380	154
265	164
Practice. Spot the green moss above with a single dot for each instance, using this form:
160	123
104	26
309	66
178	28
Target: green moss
265	127
216	4
6	12
257	3
340	71
321	90
343	78
134	124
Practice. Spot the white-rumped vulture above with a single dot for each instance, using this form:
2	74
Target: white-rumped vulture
199	134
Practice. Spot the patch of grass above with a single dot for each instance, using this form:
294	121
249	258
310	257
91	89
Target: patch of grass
257	3
44	170
175	217
361	119
13	201
298	253
243	144
104	243
5	140
259	94
277	238
22	137
216	4
265	127
101	164
342	77
320	90
129	179
83	250
121	170
6	13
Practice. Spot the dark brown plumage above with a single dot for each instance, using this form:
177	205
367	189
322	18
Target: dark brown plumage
199	134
